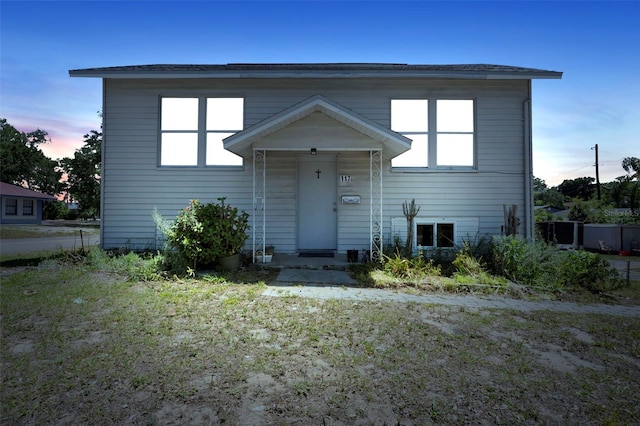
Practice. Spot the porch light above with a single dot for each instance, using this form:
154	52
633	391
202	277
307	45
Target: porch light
314	151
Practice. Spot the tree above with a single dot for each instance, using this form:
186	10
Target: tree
545	196
579	211
631	165
539	185
83	174
581	187
24	163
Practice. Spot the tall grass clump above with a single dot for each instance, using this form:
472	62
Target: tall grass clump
400	266
470	269
537	264
521	260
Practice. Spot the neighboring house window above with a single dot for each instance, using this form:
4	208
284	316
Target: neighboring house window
410	117
11	206
435	235
442	131
192	130
27	207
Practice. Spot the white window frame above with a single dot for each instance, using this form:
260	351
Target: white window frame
435	233
432	134
201	133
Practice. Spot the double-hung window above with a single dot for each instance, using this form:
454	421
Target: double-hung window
11	206
27	207
455	133
192	130
442	131
410	117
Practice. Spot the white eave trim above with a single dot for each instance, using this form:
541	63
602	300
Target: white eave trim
136	74
394	143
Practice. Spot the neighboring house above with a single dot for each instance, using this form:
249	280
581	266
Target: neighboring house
21	205
321	155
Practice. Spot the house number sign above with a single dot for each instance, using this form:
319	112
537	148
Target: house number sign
345	178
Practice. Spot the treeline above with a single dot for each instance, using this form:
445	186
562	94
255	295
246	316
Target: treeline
71	179
580	196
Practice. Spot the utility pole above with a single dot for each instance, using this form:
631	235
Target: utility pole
597	173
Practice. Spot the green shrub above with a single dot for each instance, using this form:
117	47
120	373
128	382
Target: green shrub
588	270
203	233
520	260
537	264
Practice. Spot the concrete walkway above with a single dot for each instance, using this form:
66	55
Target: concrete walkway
331	284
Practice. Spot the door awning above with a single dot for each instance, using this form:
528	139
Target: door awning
393	143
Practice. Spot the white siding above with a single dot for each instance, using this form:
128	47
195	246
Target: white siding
134	185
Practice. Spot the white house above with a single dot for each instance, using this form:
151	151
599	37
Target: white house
321	155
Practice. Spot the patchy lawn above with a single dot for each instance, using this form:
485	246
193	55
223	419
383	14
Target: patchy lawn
49	229
81	346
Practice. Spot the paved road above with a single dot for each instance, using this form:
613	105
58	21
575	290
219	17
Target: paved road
46	244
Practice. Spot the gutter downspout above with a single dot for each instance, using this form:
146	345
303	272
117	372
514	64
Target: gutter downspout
528	168
102	157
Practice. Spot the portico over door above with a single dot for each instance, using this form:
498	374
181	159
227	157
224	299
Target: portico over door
317	202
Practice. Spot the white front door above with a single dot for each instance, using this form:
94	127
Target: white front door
317	202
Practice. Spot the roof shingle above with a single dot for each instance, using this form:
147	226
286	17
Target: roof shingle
6	189
301	69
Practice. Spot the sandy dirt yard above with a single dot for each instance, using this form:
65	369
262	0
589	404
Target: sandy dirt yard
87	346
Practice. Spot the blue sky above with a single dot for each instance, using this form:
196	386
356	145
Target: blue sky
596	45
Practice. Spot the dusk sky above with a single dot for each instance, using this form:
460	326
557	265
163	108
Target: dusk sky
595	44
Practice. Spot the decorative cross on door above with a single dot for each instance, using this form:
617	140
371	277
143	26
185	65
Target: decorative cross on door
318	173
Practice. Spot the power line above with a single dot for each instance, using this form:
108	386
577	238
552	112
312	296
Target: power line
571	171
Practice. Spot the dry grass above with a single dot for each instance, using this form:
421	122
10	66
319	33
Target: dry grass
86	346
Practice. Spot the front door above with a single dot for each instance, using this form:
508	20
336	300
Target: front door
317	202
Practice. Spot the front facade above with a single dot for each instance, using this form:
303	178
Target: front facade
322	156
21	206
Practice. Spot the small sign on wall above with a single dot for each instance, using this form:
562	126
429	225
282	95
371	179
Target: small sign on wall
350	199
345	180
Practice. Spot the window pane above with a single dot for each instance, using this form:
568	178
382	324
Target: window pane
11	206
445	235
27	207
455	150
179	114
424	235
179	149
225	113
217	155
409	115
417	156
455	116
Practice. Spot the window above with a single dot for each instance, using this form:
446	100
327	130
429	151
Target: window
11	206
455	133
27	207
192	130
179	132
448	143
224	118
410	118
440	233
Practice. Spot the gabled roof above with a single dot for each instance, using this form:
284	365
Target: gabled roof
317	70
6	189
394	143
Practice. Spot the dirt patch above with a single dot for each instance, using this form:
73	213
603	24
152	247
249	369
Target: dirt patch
88	345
